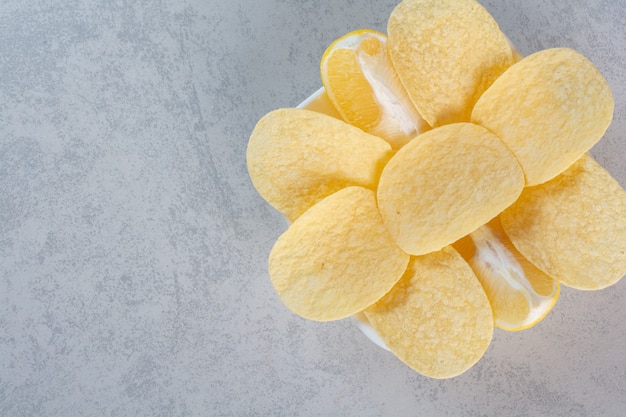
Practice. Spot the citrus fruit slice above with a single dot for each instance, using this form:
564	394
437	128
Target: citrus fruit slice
520	294
362	84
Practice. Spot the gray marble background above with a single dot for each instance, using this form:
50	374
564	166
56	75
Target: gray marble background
133	246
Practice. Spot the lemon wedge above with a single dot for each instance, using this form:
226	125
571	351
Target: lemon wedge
360	81
521	295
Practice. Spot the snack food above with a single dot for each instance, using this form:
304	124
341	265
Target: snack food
446	183
549	108
457	176
437	319
573	227
446	52
337	258
296	157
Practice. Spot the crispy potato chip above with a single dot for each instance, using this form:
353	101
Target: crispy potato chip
573	227
446	53
337	258
296	157
549	108
437	319
446	183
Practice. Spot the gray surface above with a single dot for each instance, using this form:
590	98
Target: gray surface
133	247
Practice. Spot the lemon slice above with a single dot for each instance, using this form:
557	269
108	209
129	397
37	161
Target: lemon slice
360	81
521	295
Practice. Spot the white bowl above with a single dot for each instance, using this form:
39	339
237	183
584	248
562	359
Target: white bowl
319	102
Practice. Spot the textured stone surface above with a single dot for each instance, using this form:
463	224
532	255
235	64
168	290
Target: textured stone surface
133	247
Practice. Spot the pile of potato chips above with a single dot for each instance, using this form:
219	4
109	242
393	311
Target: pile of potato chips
371	228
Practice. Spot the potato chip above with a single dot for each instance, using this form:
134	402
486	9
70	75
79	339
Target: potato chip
446	183
296	157
549	108
446	53
573	227
437	319
337	258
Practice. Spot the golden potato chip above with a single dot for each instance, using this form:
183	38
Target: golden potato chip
446	183
337	258
573	227
437	318
296	157
549	108
446	53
